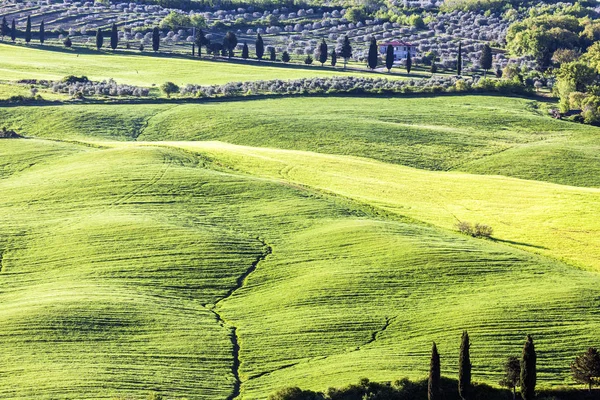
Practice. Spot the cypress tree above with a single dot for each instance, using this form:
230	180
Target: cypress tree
99	38
486	59
114	37
28	30
245	52
285	57
323	52
42	33
200	40
389	57
346	52
433	384
408	61
272	55
13	31
464	367
155	39
260	47
4	28
333	58
372	58
528	370
459	60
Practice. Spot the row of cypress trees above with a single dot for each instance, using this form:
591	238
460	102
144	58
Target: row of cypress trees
5	30
527	378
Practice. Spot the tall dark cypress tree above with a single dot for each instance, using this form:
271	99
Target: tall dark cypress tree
408	61
245	51
528	370
155	39
200	40
28	30
42	33
459	60
486	59
114	37
333	58
389	57
13	31
260	47
99	39
4	28
372	58
433	385
346	52
464	367
323	52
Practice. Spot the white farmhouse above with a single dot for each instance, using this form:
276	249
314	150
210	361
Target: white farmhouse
401	49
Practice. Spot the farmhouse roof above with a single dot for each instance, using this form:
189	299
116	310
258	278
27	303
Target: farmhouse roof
396	43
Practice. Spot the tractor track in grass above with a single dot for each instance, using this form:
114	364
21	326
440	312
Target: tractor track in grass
235	342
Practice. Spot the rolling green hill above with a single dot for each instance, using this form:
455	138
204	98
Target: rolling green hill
209	250
51	63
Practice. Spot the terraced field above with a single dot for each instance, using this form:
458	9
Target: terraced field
135	260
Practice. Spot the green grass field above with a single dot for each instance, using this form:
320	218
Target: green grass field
53	63
153	247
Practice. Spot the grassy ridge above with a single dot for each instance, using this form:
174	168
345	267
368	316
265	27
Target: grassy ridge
118	257
479	134
18	62
540	217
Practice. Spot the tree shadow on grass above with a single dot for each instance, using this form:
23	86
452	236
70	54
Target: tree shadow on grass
518	243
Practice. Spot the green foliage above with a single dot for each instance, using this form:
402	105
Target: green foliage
246	52
472	5
42	33
114	37
464	367
169	88
99	39
346	52
308	60
259	47
434	390
541	36
28	29
373	56
333	57
586	368
285	57
155	39
295	393
528	377
323	52
176	20
356	14
486	58
512	374
389	57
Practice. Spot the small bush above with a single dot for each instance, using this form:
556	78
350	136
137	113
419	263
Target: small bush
478	230
169	88
482	230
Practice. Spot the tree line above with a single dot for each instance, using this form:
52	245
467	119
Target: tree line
519	373
227	46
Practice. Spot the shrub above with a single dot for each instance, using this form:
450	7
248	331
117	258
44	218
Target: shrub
482	230
308	60
477	230
169	88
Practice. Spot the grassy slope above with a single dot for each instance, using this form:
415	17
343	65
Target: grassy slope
142	70
479	134
116	256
